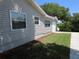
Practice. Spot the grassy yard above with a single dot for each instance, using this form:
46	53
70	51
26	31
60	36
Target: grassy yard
60	45
54	46
59	39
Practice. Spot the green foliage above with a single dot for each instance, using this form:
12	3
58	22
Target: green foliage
61	26
70	23
66	26
56	10
61	12
75	22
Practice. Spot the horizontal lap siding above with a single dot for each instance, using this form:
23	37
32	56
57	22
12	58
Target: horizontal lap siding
14	38
41	29
3	23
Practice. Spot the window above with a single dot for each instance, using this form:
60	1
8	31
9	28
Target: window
47	23
36	20
18	20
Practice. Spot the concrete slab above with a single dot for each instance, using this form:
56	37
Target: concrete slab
74	52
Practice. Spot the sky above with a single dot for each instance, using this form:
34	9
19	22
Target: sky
73	5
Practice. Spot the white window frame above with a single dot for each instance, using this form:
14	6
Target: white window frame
11	20
34	20
45	23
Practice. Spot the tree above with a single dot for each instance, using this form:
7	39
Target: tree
75	22
65	26
53	9
61	12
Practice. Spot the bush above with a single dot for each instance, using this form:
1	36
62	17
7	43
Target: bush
66	26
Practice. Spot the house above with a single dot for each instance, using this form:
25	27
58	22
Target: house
21	21
43	23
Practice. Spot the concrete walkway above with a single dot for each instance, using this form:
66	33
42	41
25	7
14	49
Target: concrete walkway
74	52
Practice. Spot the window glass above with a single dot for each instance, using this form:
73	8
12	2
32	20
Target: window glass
18	20
47	23
36	20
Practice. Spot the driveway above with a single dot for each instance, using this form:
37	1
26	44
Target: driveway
74	52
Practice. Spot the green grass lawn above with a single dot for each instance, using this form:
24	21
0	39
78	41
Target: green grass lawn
59	39
54	46
59	44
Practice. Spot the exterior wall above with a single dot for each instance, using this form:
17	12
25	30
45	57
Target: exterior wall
54	26
12	38
40	28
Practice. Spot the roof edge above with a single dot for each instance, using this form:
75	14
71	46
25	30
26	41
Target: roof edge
41	10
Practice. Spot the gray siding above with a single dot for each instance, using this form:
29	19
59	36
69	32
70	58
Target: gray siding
41	29
14	38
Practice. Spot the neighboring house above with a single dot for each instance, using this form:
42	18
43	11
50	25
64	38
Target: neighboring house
21	21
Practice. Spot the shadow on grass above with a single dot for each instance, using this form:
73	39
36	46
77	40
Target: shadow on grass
38	50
